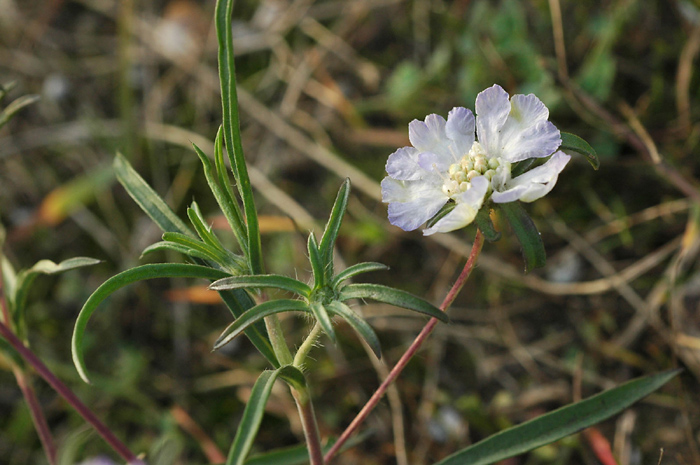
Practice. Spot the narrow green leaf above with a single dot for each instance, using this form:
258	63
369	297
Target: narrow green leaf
392	296
203	230
559	423
139	273
356	269
225	183
572	143
257	313
358	324
179	248
521	166
16	105
321	315
525	230
150	202
447	208
330	234
234	264
317	263
485	225
227	204
293	376
26	278
252	416
262	281
232	131
9	280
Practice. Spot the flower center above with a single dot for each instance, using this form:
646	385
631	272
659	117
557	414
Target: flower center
474	163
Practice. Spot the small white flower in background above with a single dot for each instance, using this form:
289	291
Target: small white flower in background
446	163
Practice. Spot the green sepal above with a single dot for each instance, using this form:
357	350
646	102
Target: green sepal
485	225
262	281
330	233
447	208
256	314
559	423
392	296
525	230
571	143
358	324
521	166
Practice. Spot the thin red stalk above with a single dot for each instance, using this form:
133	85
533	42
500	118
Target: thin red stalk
40	423
68	395
308	421
406	357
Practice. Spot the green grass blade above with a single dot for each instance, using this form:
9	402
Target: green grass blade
262	281
330	233
358	324
392	296
256	314
321	315
150	202
232	131
559	423
317	263
140	273
531	243
227	204
356	269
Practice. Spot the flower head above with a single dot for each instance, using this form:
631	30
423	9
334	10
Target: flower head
447	164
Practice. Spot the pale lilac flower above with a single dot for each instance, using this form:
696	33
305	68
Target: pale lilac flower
446	163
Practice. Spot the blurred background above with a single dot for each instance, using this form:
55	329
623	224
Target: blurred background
327	89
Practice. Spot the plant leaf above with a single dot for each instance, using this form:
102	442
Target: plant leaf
150	202
317	263
358	324
232	131
392	296
16	105
525	230
330	233
321	315
139	273
572	143
234	264
257	313
559	423
262	281
227	204
356	269
252	416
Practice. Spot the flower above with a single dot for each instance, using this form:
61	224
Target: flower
447	164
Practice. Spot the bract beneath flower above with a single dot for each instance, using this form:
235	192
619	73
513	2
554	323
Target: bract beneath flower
447	164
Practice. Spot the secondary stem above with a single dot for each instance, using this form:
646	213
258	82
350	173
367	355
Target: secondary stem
308	422
307	345
40	423
68	395
379	393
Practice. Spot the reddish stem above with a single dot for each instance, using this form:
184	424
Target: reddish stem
40	423
406	357
68	395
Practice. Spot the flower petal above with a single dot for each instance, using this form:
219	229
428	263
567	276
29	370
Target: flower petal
427	136
412	203
492	109
535	183
526	132
468	204
403	165
460	129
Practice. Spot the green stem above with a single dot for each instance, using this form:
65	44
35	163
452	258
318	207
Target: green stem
279	345
307	345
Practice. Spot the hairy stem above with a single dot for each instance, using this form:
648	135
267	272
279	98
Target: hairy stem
69	396
307	345
398	368
308	422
